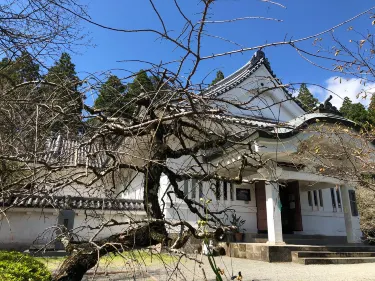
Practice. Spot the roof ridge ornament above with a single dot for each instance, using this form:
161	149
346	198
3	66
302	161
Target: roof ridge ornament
258	55
327	107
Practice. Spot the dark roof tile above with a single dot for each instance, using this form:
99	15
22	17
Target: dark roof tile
67	202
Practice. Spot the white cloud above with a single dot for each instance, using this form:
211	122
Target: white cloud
340	88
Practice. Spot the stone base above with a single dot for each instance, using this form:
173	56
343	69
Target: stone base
281	253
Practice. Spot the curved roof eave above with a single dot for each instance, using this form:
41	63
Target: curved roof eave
294	127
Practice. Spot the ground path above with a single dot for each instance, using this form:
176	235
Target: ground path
251	270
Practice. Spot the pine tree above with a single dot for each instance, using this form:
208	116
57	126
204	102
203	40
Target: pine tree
307	99
219	77
111	96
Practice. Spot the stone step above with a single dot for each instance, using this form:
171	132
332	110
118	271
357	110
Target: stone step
257	240
345	260
317	254
330	248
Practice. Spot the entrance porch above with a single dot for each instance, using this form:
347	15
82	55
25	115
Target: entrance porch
300	205
289	212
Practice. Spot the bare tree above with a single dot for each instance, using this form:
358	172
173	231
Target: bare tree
41	28
170	133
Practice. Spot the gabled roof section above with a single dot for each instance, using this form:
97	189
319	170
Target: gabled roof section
242	74
65	152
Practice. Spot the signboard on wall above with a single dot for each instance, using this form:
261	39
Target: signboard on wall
243	194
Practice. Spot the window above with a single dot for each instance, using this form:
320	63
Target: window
321	197
217	190
225	190
193	188
309	198
231	192
243	194
315	198
186	187
338	195
353	203
333	199
201	195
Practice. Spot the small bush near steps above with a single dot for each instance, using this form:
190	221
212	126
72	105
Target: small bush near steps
15	266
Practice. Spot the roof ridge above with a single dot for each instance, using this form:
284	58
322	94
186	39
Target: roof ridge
255	62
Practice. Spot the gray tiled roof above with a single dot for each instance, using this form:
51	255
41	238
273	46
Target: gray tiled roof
272	127
67	202
247	121
61	151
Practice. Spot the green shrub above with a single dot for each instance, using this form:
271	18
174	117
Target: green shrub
15	266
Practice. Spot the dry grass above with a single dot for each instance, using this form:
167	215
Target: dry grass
119	262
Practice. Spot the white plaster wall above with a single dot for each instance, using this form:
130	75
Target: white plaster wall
319	220
247	210
134	187
90	218
268	102
21	227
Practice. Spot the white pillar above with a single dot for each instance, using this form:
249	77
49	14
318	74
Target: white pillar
353	232
274	224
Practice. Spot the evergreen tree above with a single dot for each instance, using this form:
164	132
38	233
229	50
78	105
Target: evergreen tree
66	95
141	84
119	99
307	99
111	96
26	68
346	106
219	77
371	110
355	112
20	70
371	106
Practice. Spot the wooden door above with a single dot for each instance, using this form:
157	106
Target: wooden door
293	188
260	195
66	219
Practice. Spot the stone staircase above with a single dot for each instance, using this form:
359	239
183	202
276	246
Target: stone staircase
338	256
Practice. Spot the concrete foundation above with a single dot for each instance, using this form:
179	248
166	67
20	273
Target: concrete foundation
282	253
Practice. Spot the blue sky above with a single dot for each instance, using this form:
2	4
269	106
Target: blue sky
300	18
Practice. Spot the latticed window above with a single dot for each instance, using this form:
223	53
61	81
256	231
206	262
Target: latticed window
321	197
225	190
315	198
193	188
338	196
309	197
200	186
333	199
217	190
186	188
